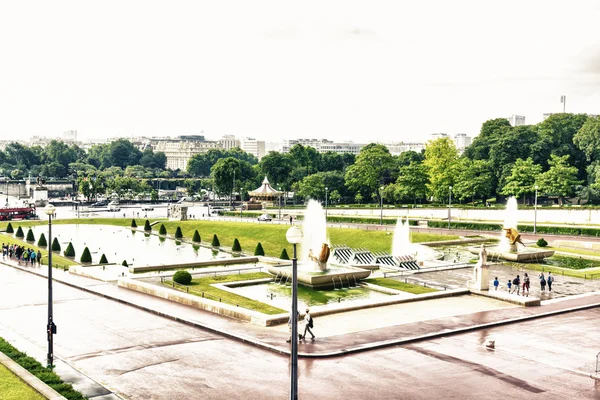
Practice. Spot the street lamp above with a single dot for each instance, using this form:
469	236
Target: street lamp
535	211
294	236
449	206
381	206
50	328
279	189
326	189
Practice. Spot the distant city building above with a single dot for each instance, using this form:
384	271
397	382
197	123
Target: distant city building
462	141
179	150
435	136
398	148
228	142
253	146
70	136
516	120
324	145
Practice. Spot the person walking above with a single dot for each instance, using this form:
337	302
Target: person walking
291	219
542	282
526	284
308	324
508	285
516	285
290	327
550	280
496	283
39	257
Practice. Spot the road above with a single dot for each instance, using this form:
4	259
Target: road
139	355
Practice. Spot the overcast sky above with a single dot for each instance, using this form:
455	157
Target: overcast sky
344	70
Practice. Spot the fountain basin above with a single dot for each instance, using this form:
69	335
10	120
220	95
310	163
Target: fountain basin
523	255
334	277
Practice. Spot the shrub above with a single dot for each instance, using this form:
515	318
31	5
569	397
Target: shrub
30	237
178	233
86	257
182	277
196	237
42	241
258	251
147	226
19	233
55	245
70	251
215	241
9	228
124	263
133	224
284	255
236	245
103	259
542	243
162	230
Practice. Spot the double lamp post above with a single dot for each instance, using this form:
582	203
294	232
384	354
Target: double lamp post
294	237
51	327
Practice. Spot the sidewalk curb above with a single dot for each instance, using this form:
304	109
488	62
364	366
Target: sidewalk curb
338	353
33	381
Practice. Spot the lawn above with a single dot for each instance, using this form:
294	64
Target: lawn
399	285
202	287
13	388
57	261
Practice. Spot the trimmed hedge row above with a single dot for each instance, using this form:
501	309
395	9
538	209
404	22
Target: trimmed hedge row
557	230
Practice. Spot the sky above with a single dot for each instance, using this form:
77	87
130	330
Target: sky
346	70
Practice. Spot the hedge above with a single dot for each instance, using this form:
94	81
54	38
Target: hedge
19	233
541	242
133	224
178	233
557	230
147	226
9	228
30	237
215	241
124	263
259	251
55	245
86	257
103	260
42	241
162	230
182	277
284	255
70	251
196	237
236	245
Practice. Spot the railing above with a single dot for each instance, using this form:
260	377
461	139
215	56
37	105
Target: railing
222	272
417	282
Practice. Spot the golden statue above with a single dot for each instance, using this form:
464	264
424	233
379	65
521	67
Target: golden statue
323	256
513	236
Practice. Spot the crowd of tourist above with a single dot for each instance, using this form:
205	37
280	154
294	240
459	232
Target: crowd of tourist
21	254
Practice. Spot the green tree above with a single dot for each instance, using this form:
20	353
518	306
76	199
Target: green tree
42	241
133	224
491	131
284	255
226	169
182	277
373	168
86	256
313	186
560	179
474	180
19	233
70	251
412	182
196	237
277	167
147	226
441	159
55	245
162	230
103	259
9	228
30	236
215	241
587	139
236	245
334	197
522	180
259	251
178	233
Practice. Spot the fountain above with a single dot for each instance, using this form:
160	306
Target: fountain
508	249
402	246
314	268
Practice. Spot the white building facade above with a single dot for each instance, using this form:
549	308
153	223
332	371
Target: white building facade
179	150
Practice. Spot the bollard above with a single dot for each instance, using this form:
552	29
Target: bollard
202	294
187	289
339	299
173	284
219	299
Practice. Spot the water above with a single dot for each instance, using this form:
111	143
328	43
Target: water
510	221
119	244
402	246
314	233
280	296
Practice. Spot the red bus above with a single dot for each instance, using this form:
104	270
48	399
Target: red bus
9	213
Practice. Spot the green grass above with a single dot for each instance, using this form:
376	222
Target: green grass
398	285
203	285
13	388
57	261
583	252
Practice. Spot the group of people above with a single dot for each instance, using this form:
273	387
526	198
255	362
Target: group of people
523	287
21	254
307	323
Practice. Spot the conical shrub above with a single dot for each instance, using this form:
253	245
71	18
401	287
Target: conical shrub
215	241
42	241
147	226
9	228
70	251
196	237
178	233
162	230
236	245
86	256
30	237
103	259
258	251
19	233
55	245
124	263
284	255
133	224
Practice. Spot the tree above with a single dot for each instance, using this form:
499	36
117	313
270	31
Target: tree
412	182
196	237
491	131
86	256
474	180
182	277
284	255
373	168
334	196
407	157
30	236
259	251
162	230
441	159
226	169
147	226
560	179
178	233
215	241
55	245
523	177
19	233
313	186
103	259
277	167
42	241
122	153
133	224
236	245
9	228
587	139
70	251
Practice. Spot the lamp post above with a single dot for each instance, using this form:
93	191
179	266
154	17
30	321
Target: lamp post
326	189
449	206
535	211
381	206
7	192
279	189
50	328
294	236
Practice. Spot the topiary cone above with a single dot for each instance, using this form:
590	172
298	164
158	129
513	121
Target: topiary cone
178	233
55	245
70	251
162	230
215	241
19	233
42	241
133	224
147	226
284	255
103	259
86	256
124	263
196	237
9	228
236	245
30	237
258	251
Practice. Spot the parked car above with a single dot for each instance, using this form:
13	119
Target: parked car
147	208
265	217
101	203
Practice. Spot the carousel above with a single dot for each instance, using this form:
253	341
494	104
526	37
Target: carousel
263	195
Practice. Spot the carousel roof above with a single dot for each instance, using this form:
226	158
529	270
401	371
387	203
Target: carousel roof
265	190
